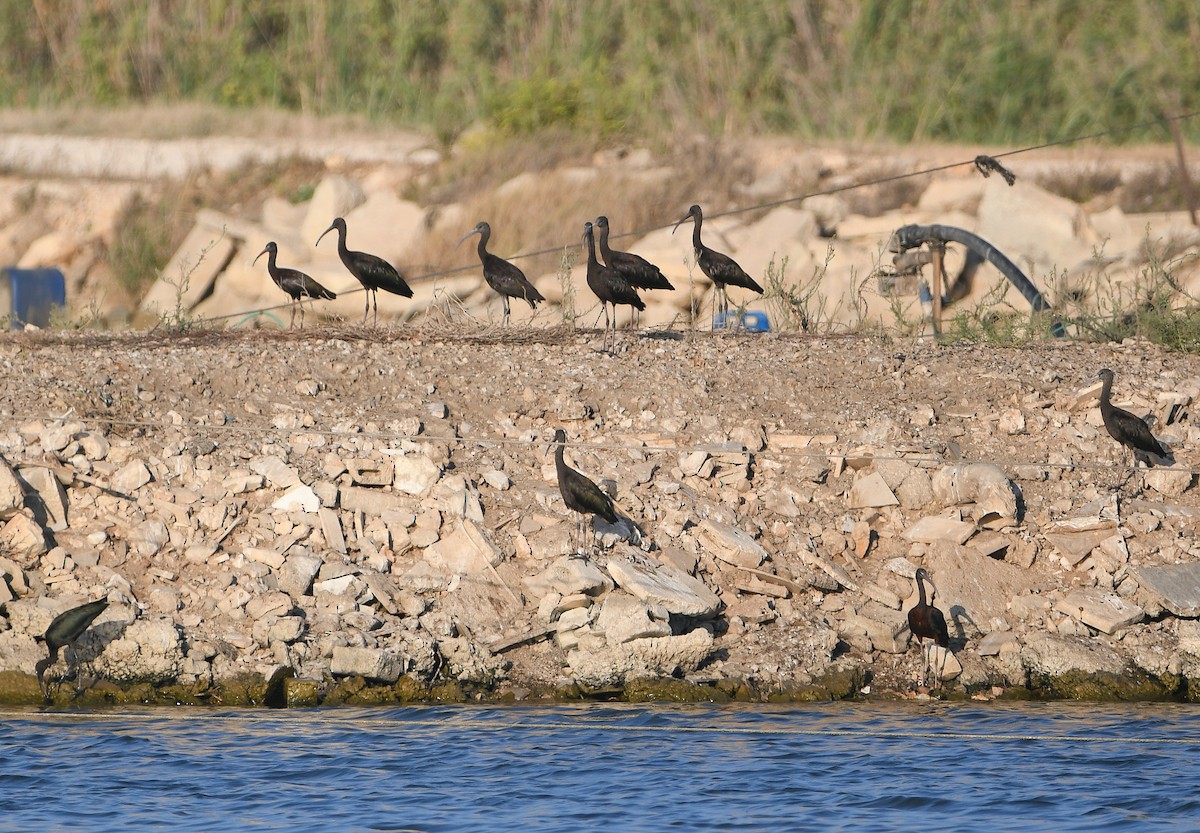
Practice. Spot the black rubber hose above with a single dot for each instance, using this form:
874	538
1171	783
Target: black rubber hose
909	237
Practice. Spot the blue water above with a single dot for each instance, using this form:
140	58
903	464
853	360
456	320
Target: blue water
1028	767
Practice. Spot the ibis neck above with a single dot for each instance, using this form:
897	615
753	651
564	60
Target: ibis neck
696	244
604	249
591	244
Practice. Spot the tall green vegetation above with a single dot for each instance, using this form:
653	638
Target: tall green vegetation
954	70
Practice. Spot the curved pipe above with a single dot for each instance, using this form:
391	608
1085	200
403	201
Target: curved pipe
909	237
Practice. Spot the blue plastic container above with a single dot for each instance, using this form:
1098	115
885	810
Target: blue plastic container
27	296
753	321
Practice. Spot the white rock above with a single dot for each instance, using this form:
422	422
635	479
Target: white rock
664	585
983	484
871	491
1169	481
278	473
130	477
12	496
297	574
22	538
334	196
416	474
299	498
1106	612
662	656
933	528
624	617
371	663
497	479
730	544
465	551
147	651
52	495
263	555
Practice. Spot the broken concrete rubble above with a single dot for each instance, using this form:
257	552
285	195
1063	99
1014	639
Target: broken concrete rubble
297	548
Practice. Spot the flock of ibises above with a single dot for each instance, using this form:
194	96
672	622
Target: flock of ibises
615	280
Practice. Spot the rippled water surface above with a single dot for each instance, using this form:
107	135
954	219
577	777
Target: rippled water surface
603	767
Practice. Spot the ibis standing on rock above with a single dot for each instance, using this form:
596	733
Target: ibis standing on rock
65	629
501	275
609	285
578	493
1129	430
927	622
720	268
372	271
639	272
295	283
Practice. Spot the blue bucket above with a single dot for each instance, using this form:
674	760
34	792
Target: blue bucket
752	321
29	295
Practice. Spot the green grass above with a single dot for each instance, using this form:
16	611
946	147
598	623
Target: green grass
906	70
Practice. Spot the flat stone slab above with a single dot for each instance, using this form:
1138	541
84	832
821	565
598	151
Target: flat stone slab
1106	612
664	584
998	642
370	663
1075	546
466	550
932	529
1178	585
731	544
870	492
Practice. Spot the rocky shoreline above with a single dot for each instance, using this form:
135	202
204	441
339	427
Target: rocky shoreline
349	515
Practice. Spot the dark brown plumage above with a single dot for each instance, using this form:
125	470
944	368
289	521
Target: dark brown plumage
502	276
639	272
925	621
295	283
578	493
1129	430
720	268
608	284
372	271
65	629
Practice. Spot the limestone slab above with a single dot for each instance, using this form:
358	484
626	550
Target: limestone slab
299	498
624	617
1178	585
871	492
415	474
1106	612
998	642
730	544
51	494
933	528
664	584
370	663
466	550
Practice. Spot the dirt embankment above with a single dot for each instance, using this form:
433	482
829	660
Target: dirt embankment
375	514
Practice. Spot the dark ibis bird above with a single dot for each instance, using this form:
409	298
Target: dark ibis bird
641	273
927	622
501	275
608	285
578	493
1129	430
372	271
295	283
65	629
720	268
